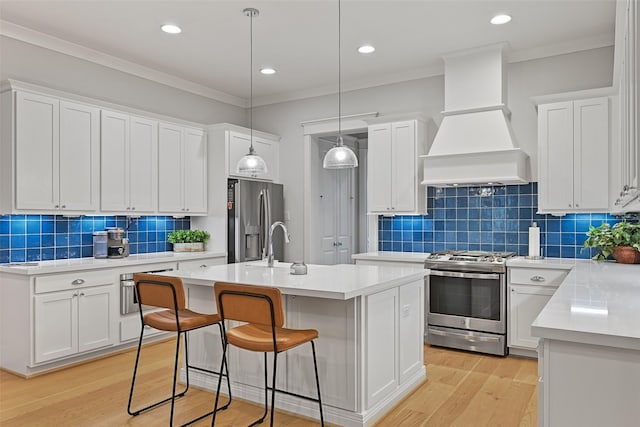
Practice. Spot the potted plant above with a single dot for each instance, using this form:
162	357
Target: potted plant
622	241
188	240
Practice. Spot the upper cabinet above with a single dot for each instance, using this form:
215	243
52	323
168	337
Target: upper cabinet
573	156
394	172
182	170
56	155
626	76
129	157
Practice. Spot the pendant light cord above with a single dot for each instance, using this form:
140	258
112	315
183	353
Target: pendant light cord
339	76
251	13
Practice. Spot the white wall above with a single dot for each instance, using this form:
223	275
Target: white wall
44	67
577	71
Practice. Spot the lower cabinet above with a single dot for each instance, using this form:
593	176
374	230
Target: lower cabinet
74	321
530	289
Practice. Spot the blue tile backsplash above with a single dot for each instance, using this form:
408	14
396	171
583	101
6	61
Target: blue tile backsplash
47	237
488	218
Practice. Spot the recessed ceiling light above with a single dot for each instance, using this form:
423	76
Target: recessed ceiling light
500	19
171	29
267	70
367	48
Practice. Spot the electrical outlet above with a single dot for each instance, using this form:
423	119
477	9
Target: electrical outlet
287	216
406	310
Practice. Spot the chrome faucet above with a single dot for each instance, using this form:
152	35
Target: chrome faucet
270	240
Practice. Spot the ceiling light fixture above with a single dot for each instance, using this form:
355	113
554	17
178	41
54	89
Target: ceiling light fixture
340	156
500	19
267	71
366	48
251	164
171	29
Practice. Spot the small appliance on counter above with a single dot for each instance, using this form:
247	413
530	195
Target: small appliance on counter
100	244
117	244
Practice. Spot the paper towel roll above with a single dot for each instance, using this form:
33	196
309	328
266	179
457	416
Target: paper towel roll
534	240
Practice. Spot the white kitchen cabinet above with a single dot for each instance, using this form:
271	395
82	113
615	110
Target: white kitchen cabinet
239	144
393	180
530	289
56	155
626	79
182	170
74	321
129	153
199	264
573	157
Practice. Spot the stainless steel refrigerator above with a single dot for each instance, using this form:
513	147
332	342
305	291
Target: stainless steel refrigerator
252	206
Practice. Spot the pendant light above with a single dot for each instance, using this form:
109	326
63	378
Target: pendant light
340	156
251	164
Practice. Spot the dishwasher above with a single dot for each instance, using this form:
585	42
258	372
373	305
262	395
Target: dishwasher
128	297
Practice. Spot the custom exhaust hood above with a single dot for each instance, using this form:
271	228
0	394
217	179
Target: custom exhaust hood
475	144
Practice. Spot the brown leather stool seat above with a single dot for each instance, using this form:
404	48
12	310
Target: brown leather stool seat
168	292
261	309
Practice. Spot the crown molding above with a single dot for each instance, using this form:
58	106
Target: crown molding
36	38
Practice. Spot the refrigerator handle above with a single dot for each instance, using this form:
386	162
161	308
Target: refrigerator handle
265	219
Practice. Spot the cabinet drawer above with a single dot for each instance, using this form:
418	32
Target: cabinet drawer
537	276
195	265
82	279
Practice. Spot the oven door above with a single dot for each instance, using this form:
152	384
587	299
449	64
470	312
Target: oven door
472	301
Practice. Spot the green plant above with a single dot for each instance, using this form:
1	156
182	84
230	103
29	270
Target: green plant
188	236
606	237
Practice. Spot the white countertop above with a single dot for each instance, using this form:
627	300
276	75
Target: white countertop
597	303
80	264
551	263
342	281
417	257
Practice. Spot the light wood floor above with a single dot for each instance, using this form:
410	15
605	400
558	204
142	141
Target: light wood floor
462	389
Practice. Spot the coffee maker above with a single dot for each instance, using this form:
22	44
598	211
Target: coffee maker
117	244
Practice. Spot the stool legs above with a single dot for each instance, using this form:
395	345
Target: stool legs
315	368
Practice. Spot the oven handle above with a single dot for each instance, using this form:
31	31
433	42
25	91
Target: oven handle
470	338
483	276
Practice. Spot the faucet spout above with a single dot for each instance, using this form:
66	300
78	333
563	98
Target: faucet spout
270	240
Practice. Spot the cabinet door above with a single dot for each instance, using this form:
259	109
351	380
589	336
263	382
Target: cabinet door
142	165
114	171
591	154
411	354
37	152
379	169
79	157
525	303
555	145
170	170
96	308
56	325
195	171
403	167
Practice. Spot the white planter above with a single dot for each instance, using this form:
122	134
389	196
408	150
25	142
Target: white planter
182	247
196	247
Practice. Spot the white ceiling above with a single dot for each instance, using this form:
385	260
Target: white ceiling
299	38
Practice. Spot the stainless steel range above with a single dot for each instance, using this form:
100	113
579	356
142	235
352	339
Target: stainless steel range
466	300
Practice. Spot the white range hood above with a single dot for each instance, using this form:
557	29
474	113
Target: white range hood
475	143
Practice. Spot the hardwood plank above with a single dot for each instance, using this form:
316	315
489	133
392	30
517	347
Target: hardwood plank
462	388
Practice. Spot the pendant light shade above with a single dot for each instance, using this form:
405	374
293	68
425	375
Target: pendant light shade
251	164
340	156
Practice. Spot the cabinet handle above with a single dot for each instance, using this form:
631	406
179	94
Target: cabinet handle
82	294
74	295
78	282
133	208
203	266
187	209
64	206
56	206
128	208
569	204
577	205
538	278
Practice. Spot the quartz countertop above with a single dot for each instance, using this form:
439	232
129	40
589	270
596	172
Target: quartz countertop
417	257
342	281
597	303
89	263
552	263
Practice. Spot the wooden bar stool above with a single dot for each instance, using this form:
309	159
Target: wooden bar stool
261	308
168	292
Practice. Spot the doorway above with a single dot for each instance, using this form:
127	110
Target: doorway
335	205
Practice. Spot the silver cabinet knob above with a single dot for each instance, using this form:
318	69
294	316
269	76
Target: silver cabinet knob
82	294
538	278
128	208
133	208
56	206
64	206
78	282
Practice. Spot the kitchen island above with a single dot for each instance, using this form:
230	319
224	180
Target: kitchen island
370	349
589	352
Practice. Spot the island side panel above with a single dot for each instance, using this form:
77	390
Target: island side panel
335	350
